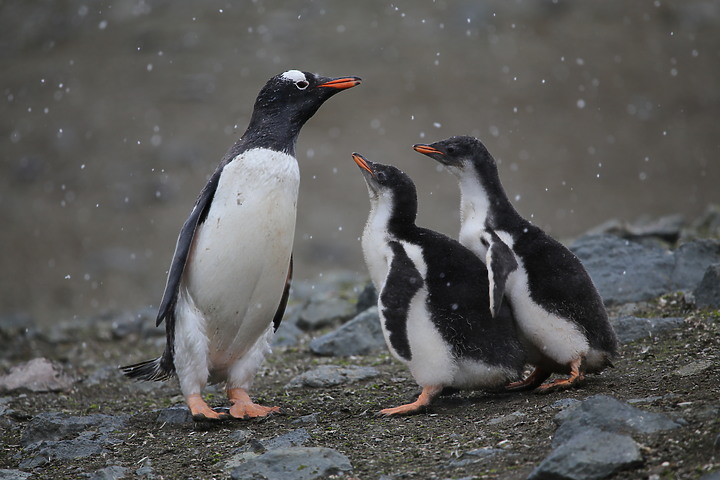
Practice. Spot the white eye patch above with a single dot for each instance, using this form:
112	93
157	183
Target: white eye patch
295	76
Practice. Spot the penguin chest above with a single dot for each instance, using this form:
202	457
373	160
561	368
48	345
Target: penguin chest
240	257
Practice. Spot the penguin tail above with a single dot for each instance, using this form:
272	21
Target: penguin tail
158	369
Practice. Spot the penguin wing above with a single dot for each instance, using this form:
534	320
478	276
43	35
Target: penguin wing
500	262
283	301
182	247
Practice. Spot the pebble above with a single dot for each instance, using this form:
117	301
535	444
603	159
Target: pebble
590	454
608	414
293	463
37	375
707	293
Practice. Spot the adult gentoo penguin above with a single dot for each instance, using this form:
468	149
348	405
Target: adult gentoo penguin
432	315
560	315
229	280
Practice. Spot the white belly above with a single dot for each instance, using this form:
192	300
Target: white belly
239	260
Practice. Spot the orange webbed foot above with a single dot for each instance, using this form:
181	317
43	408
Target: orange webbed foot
244	408
575	379
418	406
531	382
201	412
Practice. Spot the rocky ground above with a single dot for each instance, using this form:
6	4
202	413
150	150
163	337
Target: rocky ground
66	412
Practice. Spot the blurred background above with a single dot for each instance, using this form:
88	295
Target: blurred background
113	114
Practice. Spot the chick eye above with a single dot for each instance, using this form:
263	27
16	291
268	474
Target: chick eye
302	84
380	176
451	150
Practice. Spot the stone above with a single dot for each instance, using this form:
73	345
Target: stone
52	426
368	298
624	271
311	419
288	333
707	293
329	375
294	438
294	463
609	414
589	455
47	452
37	375
322	312
630	328
360	336
511	417
6	474
693	368
240	436
691	262
476	456
114	472
179	413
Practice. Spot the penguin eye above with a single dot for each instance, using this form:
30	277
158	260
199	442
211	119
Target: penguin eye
451	150
302	84
381	177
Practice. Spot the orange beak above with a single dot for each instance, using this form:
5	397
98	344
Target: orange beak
362	163
342	83
426	149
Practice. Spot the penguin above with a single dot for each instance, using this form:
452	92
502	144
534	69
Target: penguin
561	317
229	279
433	303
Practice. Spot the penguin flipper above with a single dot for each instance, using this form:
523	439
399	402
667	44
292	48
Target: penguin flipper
500	262
283	301
182	247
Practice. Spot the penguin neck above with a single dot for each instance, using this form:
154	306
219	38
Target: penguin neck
272	131
483	199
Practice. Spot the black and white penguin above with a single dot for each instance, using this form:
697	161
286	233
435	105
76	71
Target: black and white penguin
229	280
433	302
560	315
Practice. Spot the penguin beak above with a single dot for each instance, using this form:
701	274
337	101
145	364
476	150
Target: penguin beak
426	149
362	163
342	83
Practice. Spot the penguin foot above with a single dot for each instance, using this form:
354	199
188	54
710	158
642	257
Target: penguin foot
418	406
531	382
201	412
573	380
561	384
244	408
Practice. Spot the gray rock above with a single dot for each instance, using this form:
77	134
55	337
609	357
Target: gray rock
360	336
329	375
311	419
16	325
629	328
691	261
46	452
707	476
511	417
115	472
37	375
693	368
14	474
294	438
51	426
367	298
176	414
609	414
707	293
591	454
479	455
706	225
294	463
323	311
146	469
665	228
240	435
624	271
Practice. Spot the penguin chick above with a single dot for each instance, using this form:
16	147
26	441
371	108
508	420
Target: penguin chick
561	317
433	297
229	280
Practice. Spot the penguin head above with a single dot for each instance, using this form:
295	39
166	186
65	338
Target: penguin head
389	184
297	95
458	154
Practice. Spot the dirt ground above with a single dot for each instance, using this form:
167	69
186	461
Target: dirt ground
416	447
